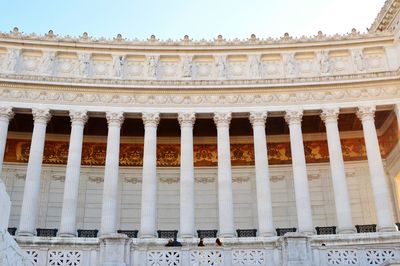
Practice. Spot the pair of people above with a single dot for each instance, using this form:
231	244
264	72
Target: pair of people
175	243
217	241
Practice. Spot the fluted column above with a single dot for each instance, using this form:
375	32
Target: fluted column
264	201
6	114
383	206
225	197
342	201
109	211
30	202
187	195
302	194
397	111
148	223
71	187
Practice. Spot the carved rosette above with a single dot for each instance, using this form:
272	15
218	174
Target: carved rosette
330	115
222	119
6	113
293	116
186	119
41	115
115	118
365	113
151	119
78	117
258	118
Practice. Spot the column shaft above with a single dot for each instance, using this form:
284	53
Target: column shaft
6	114
264	200
383	206
342	201
148	224
187	181
31	198
109	212
300	178
72	175
225	197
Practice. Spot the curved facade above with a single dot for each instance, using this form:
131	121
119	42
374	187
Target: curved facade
245	137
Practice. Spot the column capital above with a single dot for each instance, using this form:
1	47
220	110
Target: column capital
115	118
330	114
258	118
397	109
293	116
78	117
41	115
151	119
222	119
6	113
365	113
186	119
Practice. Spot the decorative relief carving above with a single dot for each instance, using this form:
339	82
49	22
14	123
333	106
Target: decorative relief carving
366	112
359	61
186	66
41	115
6	113
152	66
118	66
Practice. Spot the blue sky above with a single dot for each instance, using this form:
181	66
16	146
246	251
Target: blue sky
197	18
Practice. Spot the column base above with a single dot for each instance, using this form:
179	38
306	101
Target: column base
147	236
24	233
350	230
227	235
267	234
67	235
387	229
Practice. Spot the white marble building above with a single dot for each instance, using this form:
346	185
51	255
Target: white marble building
261	135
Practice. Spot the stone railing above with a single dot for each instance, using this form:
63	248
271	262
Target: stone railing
291	249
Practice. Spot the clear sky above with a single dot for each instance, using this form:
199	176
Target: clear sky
197	18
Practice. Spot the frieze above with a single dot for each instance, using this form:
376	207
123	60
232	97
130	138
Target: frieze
168	155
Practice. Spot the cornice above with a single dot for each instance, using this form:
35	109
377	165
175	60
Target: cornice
85	41
385	17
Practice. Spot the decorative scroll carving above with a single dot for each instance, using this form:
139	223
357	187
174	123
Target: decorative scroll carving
41	115
6	113
186	119
78	117
222	119
258	118
115	118
293	116
151	119
366	113
330	115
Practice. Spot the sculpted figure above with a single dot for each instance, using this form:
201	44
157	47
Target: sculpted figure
47	63
12	60
187	66
290	65
359	60
255	66
324	62
118	64
84	64
220	66
152	67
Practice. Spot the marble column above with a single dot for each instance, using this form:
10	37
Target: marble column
225	197
187	182
264	200
300	178
31	198
342	200
383	206
72	175
397	111
6	114
148	223
109	211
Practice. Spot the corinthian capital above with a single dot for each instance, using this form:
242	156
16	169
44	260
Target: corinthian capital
222	119
79	117
41	115
151	119
330	114
365	113
258	118
186	119
6	113
293	116
115	118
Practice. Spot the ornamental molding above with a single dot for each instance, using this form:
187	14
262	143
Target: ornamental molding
86	40
97	101
385	17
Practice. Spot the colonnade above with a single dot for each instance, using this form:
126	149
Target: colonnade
148	226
